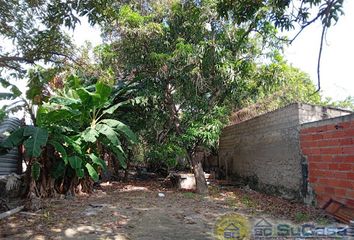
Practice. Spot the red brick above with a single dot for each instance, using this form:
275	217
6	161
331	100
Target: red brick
346	141
320	158
328	143
327	181
333	166
315	151
317	136
334	134
320	189
306	151
344	166
339	174
348	150
340	192
349	133
321	129
350	203
330	150
308	130
345	125
329	190
331	128
320	166
311	151
313	179
314	158
350	176
309	144
306	138
343	158
342	183
350	194
326	158
320	173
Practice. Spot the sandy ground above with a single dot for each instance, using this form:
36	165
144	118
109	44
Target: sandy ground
136	211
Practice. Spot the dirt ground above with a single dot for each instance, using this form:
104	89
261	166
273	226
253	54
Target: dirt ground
136	211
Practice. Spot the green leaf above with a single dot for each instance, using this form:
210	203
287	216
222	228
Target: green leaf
59	148
108	132
88	99
16	91
14	139
37	138
103	90
4	83
75	162
73	144
7	96
92	172
120	156
97	161
36	170
58	170
122	128
112	109
80	172
89	135
67	101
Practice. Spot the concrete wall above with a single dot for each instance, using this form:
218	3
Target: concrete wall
328	147
312	113
265	150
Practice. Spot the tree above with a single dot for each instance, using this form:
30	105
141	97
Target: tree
190	62
22	23
276	85
191	68
347	103
285	15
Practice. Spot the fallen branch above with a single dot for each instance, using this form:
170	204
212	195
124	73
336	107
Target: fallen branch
31	214
10	212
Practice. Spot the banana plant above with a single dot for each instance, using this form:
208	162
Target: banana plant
75	122
33	139
78	121
14	100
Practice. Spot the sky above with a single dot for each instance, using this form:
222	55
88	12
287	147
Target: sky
337	64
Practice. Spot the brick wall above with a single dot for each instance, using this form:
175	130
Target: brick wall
265	151
328	146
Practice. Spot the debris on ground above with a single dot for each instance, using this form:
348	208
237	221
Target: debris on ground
130	211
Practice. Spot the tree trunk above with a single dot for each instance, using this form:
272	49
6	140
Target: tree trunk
201	184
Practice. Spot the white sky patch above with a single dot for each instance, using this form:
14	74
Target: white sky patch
336	68
337	65
85	32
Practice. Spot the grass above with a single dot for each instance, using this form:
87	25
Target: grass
214	191
323	221
248	202
190	195
302	217
231	202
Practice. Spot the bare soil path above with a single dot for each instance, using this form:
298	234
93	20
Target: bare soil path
136	211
